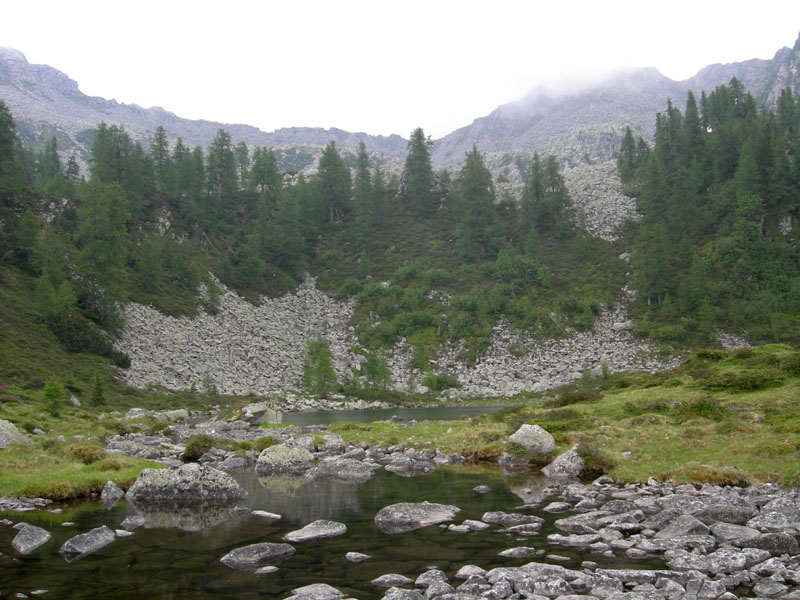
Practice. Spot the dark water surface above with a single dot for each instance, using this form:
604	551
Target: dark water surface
170	563
445	413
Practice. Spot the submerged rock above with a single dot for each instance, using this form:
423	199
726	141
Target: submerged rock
316	530
408	516
406	466
29	538
86	543
254	556
187	485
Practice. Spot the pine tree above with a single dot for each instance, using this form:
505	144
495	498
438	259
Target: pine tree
333	183
363	200
479	233
319	376
418	174
159	151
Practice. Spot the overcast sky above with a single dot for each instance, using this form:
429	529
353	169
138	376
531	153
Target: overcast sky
381	67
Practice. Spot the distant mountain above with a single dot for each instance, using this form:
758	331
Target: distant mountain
582	126
46	102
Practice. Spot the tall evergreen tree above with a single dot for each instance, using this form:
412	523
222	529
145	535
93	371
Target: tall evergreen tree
333	183
418	174
363	200
479	233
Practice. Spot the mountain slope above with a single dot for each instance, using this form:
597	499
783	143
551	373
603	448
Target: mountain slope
46	102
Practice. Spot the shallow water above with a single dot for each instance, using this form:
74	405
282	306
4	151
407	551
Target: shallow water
445	413
171	563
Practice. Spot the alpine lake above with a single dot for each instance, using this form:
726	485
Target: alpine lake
177	555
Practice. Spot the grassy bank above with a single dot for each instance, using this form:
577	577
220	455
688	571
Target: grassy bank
725	416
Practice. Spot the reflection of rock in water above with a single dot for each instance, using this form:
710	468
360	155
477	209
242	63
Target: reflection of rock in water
320	498
528	486
185	518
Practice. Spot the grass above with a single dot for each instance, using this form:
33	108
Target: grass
50	471
668	426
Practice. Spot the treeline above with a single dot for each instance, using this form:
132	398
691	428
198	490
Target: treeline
719	191
150	224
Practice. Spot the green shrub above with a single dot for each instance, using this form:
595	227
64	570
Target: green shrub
436	277
745	381
573	397
710	354
55	396
595	461
196	446
707	408
260	444
86	453
440	382
791	365
349	287
407	271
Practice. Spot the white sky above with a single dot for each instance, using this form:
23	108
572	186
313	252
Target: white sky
376	66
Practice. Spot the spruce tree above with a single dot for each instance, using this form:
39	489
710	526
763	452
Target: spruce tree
418	174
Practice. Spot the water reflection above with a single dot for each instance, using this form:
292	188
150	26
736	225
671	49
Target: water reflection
185	518
531	487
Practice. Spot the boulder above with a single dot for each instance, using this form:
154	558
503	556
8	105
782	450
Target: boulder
775	543
346	469
568	465
284	460
29	538
111	494
316	530
86	543
408	516
9	434
391	580
259	412
725	513
316	591
406	466
534	440
186	485
255	556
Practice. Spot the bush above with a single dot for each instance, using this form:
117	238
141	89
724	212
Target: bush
349	287
407	271
791	365
706	408
746	381
440	382
436	277
54	395
86	453
573	397
196	446
595	461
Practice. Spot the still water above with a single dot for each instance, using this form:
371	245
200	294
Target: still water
444	413
177	556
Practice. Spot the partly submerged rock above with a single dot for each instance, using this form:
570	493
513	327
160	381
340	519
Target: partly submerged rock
284	460
86	543
254	556
406	466
316	591
316	530
346	469
187	485
407	516
29	538
111	494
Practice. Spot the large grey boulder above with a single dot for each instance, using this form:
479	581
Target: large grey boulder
259	412
408	516
568	465
255	556
316	530
9	434
29	538
349	470
86	543
284	460
187	485
527	442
